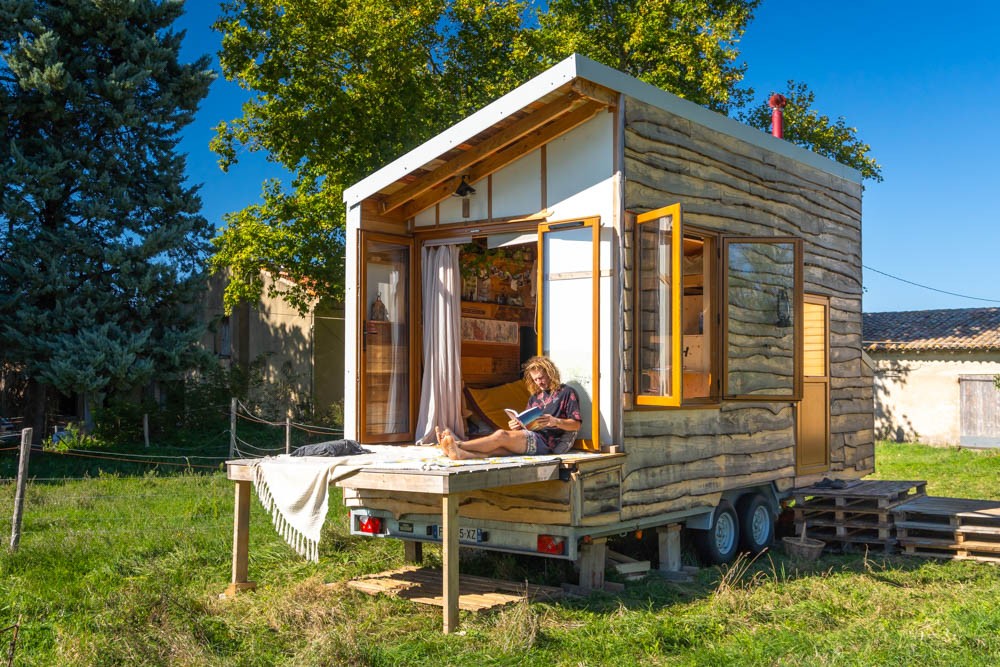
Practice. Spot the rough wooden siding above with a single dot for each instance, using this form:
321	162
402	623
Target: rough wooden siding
686	457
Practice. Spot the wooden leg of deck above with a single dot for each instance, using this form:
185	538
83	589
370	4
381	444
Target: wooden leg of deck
449	542
592	561
670	547
413	552
241	541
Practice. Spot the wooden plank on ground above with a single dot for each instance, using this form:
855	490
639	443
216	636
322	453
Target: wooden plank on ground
423	585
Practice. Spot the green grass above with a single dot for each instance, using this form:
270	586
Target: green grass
126	569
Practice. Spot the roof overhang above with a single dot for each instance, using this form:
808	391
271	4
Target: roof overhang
547	106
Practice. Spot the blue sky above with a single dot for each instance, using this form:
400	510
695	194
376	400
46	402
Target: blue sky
921	83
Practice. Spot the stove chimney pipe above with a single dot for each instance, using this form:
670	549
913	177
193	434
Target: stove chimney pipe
777	103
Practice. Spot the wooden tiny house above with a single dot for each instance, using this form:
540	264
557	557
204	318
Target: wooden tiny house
697	281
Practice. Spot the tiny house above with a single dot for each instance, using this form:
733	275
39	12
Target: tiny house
696	280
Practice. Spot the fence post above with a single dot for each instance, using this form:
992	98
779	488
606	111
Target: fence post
145	428
232	428
288	435
22	479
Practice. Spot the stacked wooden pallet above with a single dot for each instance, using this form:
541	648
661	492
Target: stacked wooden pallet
956	528
853	513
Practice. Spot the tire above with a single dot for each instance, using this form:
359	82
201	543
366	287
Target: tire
720	543
756	523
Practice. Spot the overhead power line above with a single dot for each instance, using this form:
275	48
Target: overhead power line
933	289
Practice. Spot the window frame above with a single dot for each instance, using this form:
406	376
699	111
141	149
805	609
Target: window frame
676	245
796	304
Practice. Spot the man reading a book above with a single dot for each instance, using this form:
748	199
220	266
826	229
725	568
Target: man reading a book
551	433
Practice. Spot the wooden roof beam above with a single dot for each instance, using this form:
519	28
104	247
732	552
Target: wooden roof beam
507	155
597	93
563	105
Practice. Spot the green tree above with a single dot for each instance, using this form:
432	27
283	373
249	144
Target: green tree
688	47
805	126
342	87
102	249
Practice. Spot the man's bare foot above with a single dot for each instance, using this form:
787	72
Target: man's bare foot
452	446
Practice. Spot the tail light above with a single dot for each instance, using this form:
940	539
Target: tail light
551	544
370	524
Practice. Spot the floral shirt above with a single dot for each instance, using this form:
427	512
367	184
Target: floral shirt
562	404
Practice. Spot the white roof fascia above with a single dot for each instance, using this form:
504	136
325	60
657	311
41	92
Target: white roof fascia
459	133
608	77
580	66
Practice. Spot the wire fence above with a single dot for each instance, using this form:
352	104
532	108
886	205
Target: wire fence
71	492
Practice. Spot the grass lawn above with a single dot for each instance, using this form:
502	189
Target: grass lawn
123	569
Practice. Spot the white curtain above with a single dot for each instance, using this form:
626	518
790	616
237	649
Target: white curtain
441	387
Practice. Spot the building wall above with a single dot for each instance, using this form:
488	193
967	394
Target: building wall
304	351
917	395
684	457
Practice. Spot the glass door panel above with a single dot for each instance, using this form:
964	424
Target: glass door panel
385	351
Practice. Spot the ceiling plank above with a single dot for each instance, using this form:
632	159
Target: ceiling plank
493	163
563	105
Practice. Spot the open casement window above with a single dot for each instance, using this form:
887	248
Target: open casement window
762	318
568	308
386	374
658	307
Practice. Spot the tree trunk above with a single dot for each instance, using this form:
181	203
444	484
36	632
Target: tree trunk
35	402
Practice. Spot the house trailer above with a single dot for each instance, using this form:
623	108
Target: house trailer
696	280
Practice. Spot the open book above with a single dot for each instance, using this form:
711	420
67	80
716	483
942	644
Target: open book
527	418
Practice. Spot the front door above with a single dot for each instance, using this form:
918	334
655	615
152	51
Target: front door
812	455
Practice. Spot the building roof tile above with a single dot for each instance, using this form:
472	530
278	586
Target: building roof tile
952	329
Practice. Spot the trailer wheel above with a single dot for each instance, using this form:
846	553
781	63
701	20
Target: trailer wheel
720	543
756	523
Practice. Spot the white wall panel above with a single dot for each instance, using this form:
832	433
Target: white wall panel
580	169
517	188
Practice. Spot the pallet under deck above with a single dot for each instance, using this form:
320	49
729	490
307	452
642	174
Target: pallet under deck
423	585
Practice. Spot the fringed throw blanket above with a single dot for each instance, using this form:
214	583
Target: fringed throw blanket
296	498
294	489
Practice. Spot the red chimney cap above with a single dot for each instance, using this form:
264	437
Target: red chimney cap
777	101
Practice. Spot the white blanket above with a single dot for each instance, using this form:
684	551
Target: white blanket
293	489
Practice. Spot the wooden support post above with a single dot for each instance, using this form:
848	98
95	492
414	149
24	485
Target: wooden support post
593	558
145	428
288	435
22	480
670	547
413	551
449	545
241	541
232	428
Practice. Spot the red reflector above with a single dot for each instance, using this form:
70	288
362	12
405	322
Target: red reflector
370	524
551	544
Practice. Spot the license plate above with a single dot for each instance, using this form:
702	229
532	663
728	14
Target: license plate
470	535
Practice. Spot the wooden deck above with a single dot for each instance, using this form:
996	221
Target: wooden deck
423	585
951	528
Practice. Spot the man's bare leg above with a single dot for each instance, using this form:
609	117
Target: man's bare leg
499	443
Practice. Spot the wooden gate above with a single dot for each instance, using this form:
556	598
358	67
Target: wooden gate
980	411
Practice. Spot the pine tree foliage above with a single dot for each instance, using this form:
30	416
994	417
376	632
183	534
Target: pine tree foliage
102	248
